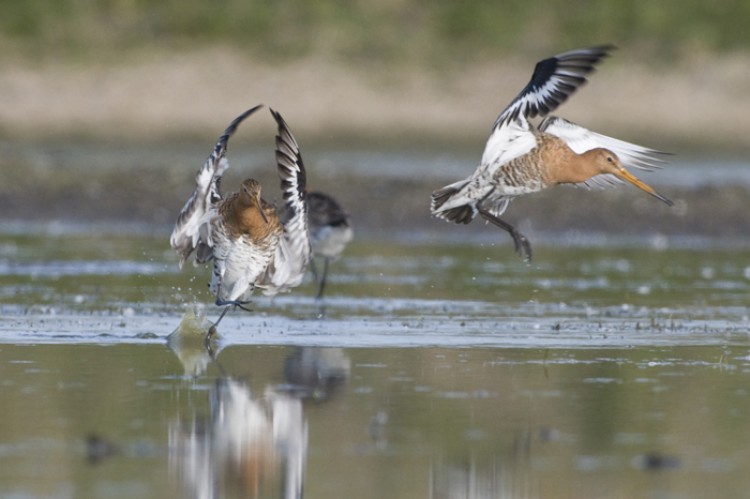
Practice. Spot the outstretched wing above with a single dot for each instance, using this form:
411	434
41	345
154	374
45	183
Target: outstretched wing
554	80
191	230
581	139
293	252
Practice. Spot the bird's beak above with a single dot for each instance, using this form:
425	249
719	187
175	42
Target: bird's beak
260	209
629	177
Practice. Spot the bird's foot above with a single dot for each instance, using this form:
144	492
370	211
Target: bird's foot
236	303
227	304
523	247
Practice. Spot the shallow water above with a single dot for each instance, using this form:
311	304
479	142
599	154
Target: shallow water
604	369
90	420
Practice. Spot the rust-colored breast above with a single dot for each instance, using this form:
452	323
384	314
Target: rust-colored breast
559	164
242	220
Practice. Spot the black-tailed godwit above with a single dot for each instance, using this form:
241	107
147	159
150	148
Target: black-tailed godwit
330	232
242	233
521	158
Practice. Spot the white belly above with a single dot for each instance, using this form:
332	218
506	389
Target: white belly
330	241
238	264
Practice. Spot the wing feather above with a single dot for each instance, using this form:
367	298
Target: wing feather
507	143
553	81
192	227
293	252
457	202
581	139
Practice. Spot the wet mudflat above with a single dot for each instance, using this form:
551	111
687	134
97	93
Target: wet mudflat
606	368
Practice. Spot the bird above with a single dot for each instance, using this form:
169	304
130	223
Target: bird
330	232
521	158
242	233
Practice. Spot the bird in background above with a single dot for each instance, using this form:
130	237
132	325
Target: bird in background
330	232
242	233
521	158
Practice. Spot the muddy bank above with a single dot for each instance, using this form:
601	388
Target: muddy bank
131	192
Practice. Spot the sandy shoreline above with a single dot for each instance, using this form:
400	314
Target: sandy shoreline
700	105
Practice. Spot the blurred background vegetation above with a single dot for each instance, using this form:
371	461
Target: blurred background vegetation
386	31
398	70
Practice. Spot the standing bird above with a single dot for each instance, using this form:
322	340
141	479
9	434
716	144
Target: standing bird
242	233
520	158
330	232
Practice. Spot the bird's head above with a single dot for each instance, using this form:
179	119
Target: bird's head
607	162
251	195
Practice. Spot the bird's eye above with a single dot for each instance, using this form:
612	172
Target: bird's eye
609	159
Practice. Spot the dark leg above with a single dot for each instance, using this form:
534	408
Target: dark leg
213	332
227	305
237	303
523	248
314	269
322	283
223	313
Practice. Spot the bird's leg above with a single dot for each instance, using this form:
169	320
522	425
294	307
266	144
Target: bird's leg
523	247
223	313
241	305
314	269
322	283
212	331
227	304
236	303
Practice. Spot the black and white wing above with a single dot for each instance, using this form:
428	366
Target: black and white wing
293	252
191	230
581	139
554	80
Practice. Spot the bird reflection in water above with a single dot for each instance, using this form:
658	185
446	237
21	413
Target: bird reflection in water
194	341
476	478
317	373
497	475
248	447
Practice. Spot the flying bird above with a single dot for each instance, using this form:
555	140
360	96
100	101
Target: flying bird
521	158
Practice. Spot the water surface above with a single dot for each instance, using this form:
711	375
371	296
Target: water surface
443	371
439	365
91	420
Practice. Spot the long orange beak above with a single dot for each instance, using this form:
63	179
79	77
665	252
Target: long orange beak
259	204
626	175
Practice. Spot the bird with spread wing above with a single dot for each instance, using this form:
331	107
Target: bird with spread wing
521	158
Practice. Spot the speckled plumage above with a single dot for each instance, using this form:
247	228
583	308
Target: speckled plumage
242	233
245	241
520	158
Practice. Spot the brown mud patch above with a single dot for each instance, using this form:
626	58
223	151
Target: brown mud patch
377	204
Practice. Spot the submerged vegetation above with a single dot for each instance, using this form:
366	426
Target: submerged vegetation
393	31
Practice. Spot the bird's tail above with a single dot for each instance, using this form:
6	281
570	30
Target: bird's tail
449	205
